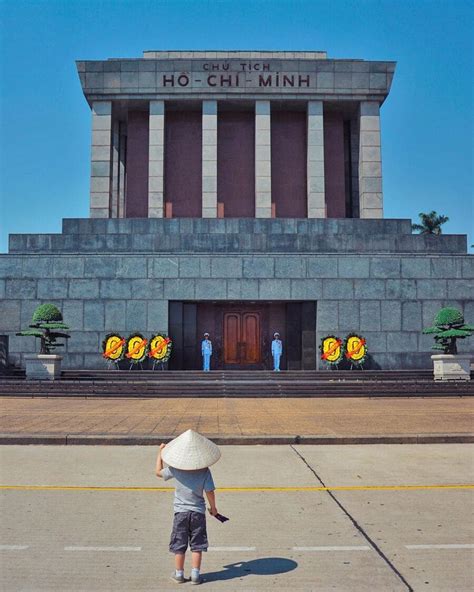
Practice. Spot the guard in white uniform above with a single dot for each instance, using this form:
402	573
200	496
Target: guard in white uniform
277	349
206	350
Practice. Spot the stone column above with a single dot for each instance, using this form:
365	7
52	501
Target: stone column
101	159
370	161
209	159
263	171
315	161
114	201
354	140
122	170
156	159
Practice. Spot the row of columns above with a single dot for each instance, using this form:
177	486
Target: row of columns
107	198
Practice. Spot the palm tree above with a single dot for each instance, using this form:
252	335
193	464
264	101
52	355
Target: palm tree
430	223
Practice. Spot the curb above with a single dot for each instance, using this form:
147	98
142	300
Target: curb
271	440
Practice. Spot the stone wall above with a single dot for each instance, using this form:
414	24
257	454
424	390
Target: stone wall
233	235
388	298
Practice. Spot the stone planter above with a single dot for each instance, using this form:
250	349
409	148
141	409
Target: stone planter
451	367
43	366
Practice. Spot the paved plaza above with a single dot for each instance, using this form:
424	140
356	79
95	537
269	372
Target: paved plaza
382	518
136	420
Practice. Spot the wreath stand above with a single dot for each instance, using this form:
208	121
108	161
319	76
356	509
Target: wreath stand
112	364
132	364
156	363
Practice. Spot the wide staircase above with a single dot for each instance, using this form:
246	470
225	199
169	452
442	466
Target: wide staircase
235	383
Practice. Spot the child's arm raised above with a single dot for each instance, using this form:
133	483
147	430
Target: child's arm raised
211	498
159	462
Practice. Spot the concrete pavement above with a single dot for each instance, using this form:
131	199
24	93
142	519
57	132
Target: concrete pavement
302	518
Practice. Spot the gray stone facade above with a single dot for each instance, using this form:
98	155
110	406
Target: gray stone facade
214	80
112	273
313	73
108	275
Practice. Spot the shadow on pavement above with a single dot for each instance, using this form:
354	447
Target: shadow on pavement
266	566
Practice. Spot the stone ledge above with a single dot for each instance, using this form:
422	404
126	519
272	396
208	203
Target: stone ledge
223	242
139	440
232	225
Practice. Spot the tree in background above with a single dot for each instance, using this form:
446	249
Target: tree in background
430	223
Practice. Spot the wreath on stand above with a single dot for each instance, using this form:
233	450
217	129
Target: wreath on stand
136	348
355	347
113	348
159	348
331	350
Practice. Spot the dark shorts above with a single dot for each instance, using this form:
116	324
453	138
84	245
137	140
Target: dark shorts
188	527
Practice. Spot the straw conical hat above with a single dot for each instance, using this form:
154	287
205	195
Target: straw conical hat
190	451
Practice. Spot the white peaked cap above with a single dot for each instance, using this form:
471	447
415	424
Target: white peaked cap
190	451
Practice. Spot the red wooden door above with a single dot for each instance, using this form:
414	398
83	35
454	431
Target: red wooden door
232	330
250	351
242	339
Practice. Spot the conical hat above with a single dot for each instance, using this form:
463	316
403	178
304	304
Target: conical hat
190	451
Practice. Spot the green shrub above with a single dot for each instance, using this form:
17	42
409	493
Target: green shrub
448	327
47	313
46	321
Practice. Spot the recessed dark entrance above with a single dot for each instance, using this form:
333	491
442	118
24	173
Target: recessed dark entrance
241	334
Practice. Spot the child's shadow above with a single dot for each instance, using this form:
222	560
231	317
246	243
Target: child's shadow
266	566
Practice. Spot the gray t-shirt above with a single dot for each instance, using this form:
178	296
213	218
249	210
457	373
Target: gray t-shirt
190	485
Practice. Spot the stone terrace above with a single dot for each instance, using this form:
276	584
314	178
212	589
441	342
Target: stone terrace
200	235
371	276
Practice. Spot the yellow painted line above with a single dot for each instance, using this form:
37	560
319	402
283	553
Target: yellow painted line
239	489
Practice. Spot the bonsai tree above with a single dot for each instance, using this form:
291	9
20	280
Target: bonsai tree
448	327
46	321
430	223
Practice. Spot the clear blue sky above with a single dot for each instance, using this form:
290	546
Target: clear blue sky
427	123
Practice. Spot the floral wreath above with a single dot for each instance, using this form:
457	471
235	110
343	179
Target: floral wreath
160	347
136	348
331	350
355	347
113	347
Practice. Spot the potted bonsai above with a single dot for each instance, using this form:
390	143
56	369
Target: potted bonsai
47	325
448	327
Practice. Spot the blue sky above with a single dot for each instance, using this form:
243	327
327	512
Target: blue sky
427	123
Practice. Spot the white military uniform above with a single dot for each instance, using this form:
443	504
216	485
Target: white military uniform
206	350
277	349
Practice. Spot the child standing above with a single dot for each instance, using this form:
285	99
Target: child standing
189	457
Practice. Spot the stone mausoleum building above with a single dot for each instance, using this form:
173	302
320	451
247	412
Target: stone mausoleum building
238	193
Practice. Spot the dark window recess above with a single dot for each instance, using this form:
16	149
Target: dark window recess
301	335
190	337
236	164
183	164
334	177
289	163
136	205
182	322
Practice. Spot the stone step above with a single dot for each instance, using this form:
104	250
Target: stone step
278	226
199	243
192	376
242	388
252	375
